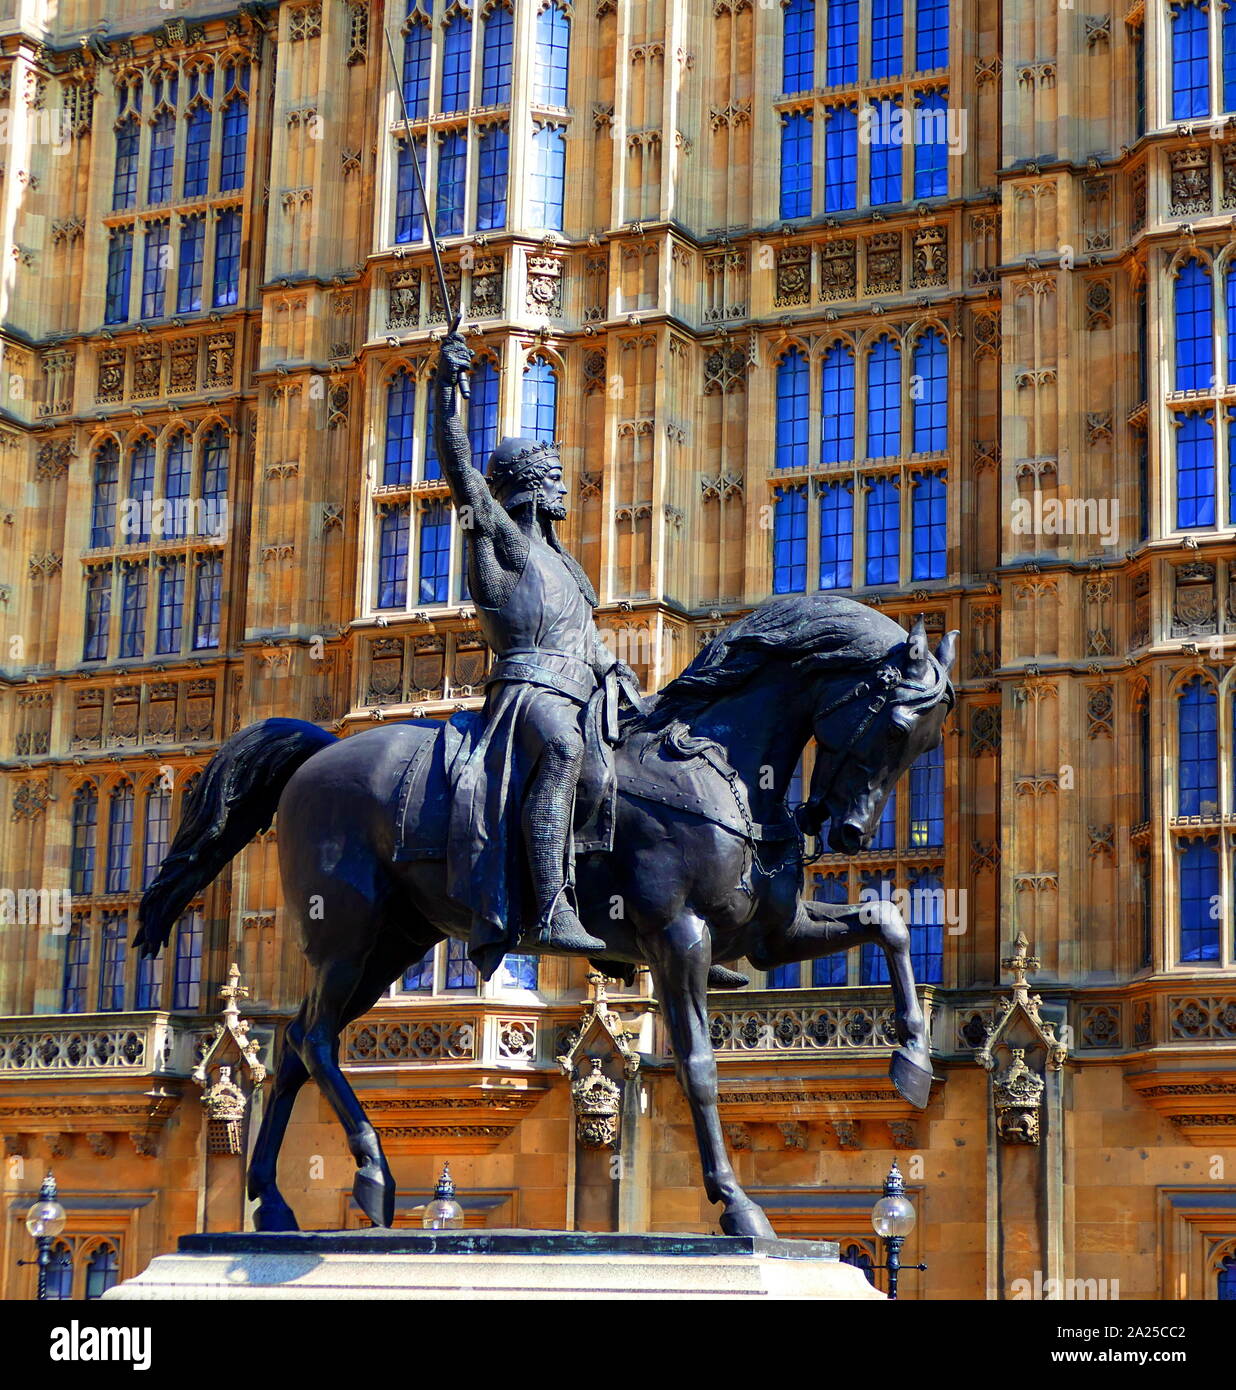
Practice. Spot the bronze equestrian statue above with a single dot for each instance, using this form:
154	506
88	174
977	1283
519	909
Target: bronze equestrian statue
706	858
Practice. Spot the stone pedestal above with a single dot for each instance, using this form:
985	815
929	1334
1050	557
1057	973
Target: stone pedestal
494	1265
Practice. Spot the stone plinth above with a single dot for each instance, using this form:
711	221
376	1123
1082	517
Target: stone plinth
494	1265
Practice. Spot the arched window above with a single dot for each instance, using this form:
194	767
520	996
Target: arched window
886	38
141	489
496	57
98	612
539	413
798	46
187	980
884	399
435	553
452	162
197	149
119	275
553	43
162	146
208	602
409	210
931	35
830	970
853	1253
456	62
1197	714
124	180
492	163
883	533
235	135
102	1269
886	146
483	413
119	838
103	504
400	431
1195	468
931	145
134	577
189	271
790	540
227	258
1228	20
76	968
60	1271
796	164
393	557
1225	1283
85	839
1195	359
1200	924
792	391
155	258
215	457
842	41
840	159
157	832
927	800
111	962
928	526
836	534
548	180
930	393
169	620
1190	60
417	47
837	405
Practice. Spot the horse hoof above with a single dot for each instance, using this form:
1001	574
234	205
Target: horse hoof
746	1219
275	1216
375	1195
910	1079
721	978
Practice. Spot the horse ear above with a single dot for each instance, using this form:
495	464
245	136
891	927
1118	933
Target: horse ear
946	652
916	650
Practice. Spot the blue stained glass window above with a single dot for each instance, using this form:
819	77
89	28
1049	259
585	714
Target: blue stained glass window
792	423
103	507
119	838
435	553
842	41
76	969
227	258
208	600
85	840
178	478
931	35
235	134
460	972
418	978
798	46
877	886
836	535
1199	901
927	800
841	159
162	145
1198	751
1195	470
884	400
417	47
197	152
187	974
496	57
124	181
886	145
119	270
796	164
929	522
171	604
883	532
409	211
931	146
456	63
552	56
548	181
837	405
393	558
483	413
157	835
111	961
1190	61
491	178
539	414
141	487
886	38
133	580
98	614
927	926
790	540
452	161
930	393
189	271
154	269
784	976
400	433
830	970
1195	358
1225	1285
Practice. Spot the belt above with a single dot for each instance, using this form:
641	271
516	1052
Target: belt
528	666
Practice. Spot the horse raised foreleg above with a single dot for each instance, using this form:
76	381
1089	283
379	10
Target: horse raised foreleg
822	929
681	957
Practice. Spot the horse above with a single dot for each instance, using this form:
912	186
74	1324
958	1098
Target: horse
701	879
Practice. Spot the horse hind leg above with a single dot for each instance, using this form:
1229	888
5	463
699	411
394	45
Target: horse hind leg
273	1213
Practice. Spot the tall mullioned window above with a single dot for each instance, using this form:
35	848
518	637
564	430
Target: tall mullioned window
539	414
483	413
400	429
790	540
931	35
393	556
187	967
1190	60
798	47
792	417
76	968
496	48
548	177
417	55
796	164
119	275
551	55
85	840
227	258
456	62
106	482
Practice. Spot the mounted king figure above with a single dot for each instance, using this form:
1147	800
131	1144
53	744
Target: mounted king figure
552	695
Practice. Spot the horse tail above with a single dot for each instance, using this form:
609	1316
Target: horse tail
234	799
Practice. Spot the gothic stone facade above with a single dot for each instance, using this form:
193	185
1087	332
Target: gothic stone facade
756	327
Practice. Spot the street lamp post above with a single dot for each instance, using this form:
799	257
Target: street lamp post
444	1213
893	1218
45	1220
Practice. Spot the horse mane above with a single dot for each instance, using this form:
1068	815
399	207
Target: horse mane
811	631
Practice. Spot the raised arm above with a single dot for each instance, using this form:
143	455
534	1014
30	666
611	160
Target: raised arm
479	513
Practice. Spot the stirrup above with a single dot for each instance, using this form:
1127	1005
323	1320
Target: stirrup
566	933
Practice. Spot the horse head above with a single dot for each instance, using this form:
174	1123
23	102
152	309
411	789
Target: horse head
869	728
